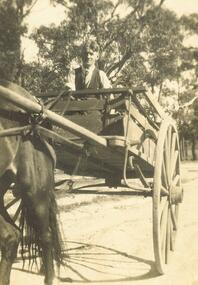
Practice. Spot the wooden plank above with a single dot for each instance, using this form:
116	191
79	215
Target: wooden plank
117	103
105	191
143	121
31	106
76	163
122	103
146	147
141	110
77	106
88	92
91	120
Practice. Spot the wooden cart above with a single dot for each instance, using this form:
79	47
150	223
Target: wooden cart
119	139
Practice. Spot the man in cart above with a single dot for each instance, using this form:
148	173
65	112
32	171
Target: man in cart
85	73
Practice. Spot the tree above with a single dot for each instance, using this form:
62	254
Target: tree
140	46
12	14
188	69
164	44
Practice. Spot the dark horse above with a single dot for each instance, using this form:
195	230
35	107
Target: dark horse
27	161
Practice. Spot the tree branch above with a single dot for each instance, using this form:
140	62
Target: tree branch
161	2
118	65
29	10
112	14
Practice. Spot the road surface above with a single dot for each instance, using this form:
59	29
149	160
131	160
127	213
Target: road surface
109	240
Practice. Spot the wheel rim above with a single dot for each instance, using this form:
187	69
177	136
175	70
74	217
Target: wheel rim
167	194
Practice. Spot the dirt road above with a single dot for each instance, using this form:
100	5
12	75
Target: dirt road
109	241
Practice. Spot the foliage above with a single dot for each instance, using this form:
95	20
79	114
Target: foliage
188	117
12	14
10	32
138	47
143	45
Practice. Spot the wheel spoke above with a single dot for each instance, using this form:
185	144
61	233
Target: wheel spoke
173	218
169	136
172	238
164	175
164	190
173	149
176	212
174	162
176	180
163	204
163	228
174	231
167	159
166	168
168	237
173	144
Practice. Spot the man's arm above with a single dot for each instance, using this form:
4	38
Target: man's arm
105	80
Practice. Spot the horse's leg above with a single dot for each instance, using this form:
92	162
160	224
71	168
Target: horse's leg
38	218
9	240
9	235
35	178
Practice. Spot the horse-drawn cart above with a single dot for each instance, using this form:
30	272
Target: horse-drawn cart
119	135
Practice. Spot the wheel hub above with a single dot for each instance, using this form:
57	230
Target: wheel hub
176	196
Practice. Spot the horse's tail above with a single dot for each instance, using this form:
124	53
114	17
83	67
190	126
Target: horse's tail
31	247
54	223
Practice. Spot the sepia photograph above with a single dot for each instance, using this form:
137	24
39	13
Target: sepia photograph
98	142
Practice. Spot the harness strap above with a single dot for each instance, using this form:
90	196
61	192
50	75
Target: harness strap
15	131
50	150
24	131
38	118
14	115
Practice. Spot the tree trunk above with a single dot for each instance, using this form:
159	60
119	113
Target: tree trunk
185	149
194	157
181	140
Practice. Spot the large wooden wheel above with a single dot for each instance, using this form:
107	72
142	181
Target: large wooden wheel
167	194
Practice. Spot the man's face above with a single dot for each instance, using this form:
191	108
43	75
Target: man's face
92	56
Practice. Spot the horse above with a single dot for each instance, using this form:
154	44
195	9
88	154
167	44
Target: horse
27	162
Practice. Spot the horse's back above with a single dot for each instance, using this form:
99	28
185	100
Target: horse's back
10	117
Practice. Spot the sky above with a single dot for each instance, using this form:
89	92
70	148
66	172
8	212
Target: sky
45	14
182	6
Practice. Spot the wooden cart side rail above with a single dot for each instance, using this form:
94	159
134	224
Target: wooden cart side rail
76	148
108	91
88	92
158	108
140	119
79	106
56	119
135	114
92	138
